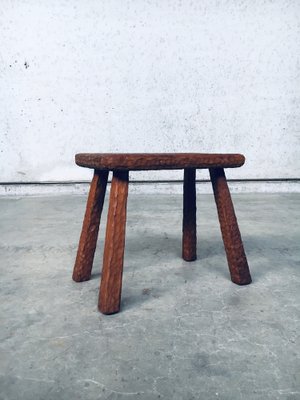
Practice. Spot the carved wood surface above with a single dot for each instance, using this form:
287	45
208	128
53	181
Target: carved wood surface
189	224
111	280
233	244
155	161
112	271
89	233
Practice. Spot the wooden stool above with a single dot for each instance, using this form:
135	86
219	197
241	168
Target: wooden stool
121	164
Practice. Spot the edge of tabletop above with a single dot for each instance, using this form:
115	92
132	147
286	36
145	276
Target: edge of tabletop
129	161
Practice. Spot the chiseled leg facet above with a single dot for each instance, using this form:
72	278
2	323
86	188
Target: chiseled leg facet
89	233
233	244
112	270
189	224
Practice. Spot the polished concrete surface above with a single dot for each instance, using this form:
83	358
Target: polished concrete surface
184	332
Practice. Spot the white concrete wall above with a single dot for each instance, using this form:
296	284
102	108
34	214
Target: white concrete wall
165	75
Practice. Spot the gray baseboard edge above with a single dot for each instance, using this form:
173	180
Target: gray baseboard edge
141	187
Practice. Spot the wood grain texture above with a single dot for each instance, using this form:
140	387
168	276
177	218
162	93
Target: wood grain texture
111	280
155	161
233	244
89	233
189	224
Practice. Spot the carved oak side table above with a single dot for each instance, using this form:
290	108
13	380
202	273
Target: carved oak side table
120	165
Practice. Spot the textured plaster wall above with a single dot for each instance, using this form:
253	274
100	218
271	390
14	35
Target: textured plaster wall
104	76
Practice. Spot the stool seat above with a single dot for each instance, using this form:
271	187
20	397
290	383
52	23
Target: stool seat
155	161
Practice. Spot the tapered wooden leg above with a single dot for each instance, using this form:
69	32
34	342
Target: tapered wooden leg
111	280
233	244
189	224
89	233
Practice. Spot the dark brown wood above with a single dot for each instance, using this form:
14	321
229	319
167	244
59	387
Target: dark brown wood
189	224
113	257
89	233
148	161
111	280
233	244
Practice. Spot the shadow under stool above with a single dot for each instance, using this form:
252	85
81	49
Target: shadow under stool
113	256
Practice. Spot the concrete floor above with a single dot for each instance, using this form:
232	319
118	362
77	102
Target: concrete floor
185	331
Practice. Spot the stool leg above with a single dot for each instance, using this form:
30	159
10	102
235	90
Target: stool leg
111	280
189	225
233	244
89	233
